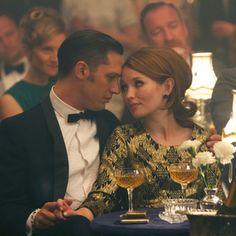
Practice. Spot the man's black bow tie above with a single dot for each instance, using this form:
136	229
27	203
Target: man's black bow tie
18	67
87	115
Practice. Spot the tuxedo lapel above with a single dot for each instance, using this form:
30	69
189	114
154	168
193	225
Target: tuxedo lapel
101	128
106	123
60	155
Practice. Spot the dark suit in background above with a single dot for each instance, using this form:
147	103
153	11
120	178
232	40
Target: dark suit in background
222	98
210	11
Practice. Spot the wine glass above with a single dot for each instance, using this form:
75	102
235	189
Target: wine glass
183	173
129	178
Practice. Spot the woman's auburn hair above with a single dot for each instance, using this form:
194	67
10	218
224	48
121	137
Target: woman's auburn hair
160	64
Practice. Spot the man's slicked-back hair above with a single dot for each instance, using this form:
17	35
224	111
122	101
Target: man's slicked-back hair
90	46
154	6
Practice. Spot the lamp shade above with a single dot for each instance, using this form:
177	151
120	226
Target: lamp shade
204	77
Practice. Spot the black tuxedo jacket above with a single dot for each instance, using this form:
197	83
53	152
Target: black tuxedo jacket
222	98
34	165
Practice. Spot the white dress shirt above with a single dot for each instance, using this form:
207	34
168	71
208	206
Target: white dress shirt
7	81
82	150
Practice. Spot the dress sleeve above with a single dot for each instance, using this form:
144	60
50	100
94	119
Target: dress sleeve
105	195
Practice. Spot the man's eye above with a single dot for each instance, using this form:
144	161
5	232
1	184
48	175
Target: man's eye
173	25
123	88
156	32
11	33
113	77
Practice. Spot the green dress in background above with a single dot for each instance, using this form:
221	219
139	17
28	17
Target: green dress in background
133	142
29	95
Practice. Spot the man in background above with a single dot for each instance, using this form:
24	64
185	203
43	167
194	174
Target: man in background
163	26
222	98
13	63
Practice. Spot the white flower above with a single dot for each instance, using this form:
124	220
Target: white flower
190	144
203	158
224	152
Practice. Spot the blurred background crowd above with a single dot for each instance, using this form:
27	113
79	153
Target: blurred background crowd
202	25
211	23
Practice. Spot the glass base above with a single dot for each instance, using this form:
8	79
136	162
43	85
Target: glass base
177	204
172	218
211	200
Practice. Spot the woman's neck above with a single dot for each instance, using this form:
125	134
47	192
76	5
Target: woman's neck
165	130
36	77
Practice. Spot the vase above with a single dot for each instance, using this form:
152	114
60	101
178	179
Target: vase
211	200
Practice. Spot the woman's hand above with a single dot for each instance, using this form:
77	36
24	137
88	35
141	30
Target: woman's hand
81	211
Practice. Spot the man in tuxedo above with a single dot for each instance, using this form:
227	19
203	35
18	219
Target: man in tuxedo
14	64
52	152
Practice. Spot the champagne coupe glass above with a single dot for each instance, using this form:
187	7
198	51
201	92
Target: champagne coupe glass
129	178
183	173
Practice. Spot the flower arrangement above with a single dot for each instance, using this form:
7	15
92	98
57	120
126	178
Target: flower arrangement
206	161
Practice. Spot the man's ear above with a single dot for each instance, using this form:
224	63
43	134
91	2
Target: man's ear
81	70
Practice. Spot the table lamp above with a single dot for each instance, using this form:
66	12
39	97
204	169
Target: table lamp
202	85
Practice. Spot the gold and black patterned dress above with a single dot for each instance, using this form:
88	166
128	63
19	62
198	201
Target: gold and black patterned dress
132	142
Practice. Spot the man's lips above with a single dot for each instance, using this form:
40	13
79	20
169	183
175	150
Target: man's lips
107	99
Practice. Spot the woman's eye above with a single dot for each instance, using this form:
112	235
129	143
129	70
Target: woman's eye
138	83
46	49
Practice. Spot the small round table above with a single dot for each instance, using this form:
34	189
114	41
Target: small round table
108	225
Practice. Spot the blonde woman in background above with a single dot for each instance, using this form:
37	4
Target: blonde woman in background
43	32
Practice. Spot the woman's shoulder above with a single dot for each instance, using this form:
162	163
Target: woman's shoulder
16	87
18	90
21	87
128	129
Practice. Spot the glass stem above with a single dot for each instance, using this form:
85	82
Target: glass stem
183	187
130	198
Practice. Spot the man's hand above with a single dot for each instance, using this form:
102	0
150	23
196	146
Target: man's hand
59	210
223	29
51	212
45	217
213	139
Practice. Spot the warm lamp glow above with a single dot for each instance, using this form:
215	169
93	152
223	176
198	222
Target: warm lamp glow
203	76
229	132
